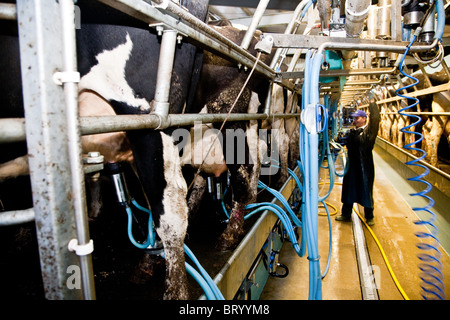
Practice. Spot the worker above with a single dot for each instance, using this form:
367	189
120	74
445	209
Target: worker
357	185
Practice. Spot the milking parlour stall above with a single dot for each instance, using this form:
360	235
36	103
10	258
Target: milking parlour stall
196	150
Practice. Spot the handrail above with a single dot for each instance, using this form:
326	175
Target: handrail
13	129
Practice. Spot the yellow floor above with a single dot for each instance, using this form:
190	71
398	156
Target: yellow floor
394	229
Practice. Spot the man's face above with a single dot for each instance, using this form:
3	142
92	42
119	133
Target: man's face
359	121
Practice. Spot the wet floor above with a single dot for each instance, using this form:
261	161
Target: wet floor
395	230
115	259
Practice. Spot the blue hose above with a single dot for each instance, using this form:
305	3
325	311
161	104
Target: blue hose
201	281
285	221
205	276
440	11
431	275
211	290
150	242
326	150
330	234
309	155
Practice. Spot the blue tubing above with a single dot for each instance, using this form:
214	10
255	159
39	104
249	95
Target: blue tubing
205	276
432	279
286	223
201	281
330	241
440	26
283	201
211	290
150	242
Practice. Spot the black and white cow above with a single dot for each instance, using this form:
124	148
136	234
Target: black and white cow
118	61
220	83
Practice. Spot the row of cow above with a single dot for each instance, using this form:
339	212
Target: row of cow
432	127
116	60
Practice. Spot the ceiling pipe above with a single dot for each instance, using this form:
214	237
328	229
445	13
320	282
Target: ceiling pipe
356	12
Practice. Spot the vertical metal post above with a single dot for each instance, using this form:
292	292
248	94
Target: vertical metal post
46	131
67	11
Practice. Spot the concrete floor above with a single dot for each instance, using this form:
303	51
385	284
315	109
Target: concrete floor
394	229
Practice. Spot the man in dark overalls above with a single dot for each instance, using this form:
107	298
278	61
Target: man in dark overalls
358	182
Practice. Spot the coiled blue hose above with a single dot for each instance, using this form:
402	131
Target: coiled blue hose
431	275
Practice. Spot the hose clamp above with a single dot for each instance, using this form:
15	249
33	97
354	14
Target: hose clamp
81	250
64	77
314	118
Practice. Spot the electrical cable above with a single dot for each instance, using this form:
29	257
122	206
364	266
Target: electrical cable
388	265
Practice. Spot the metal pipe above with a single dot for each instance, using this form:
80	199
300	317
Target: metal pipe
164	75
258	14
67	12
338	72
12	130
10	218
375	47
322	43
268	100
104	124
383	26
396	24
8	11
194	28
355	82
355	13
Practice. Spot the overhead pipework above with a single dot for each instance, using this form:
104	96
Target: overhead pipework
356	12
356	49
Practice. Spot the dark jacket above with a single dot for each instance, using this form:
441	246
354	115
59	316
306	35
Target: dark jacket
358	182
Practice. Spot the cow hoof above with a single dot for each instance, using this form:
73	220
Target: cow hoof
146	269
227	241
230	238
225	245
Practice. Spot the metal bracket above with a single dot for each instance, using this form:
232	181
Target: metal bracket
161	27
265	44
163	4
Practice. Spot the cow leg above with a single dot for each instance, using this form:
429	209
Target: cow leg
240	177
435	136
241	182
197	191
96	201
158	165
173	224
